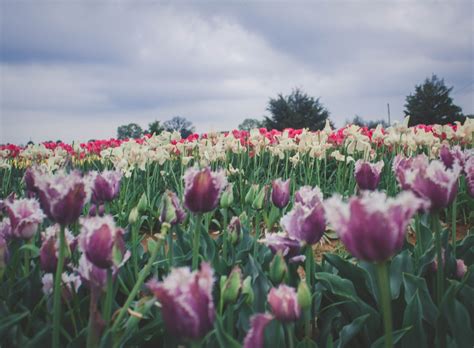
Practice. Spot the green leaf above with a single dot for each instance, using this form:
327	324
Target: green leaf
397	336
413	316
402	263
412	284
10	320
350	330
224	339
307	343
33	249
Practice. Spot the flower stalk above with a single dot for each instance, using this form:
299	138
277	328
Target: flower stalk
57	289
385	301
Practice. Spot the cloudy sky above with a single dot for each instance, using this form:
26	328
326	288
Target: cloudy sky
78	69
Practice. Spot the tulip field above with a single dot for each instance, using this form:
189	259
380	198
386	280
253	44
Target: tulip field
352	237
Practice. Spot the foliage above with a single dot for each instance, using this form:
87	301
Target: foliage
131	130
250	123
431	104
297	110
155	127
359	121
179	124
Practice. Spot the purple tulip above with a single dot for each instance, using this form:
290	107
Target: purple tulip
461	269
306	224
433	182
92	276
309	196
280	193
102	242
372	227
5	229
186	301
255	336
469	169
63	196
203	189
171	210
451	155
70	285
95	210
49	248
105	185
367	174
290	248
284	303
401	165
25	216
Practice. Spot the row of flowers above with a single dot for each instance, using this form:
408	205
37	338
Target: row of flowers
91	249
211	147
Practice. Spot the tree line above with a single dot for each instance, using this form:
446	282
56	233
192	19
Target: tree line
429	104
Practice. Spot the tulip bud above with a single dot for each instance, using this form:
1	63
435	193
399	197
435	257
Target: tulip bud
171	210
278	268
304	295
259	200
227	197
231	287
142	203
280	192
460	268
234	229
250	196
284	303
133	216
247	290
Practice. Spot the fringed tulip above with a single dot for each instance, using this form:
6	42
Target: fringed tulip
367	175
280	193
255	337
186	301
105	185
290	248
25	216
372	227
203	189
171	210
63	195
49	247
70	285
451	155
284	303
102	242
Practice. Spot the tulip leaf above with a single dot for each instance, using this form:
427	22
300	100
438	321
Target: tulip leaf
413	316
33	249
8	321
225	340
307	343
349	331
397	336
402	263
413	284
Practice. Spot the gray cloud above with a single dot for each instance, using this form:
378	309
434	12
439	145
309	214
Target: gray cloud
77	70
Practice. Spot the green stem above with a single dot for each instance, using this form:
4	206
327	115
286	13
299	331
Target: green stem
57	289
135	227
453	225
289	335
141	278
307	322
385	301
27	259
108	297
309	266
439	257
197	239
225	234
170	248
257	234
92	334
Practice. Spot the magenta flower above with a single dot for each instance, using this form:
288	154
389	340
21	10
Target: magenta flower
203	189
290	248
284	303
186	301
5	228
280	192
255	336
401	165
25	216
102	242
63	196
105	185
92	276
372	227
433	182
367	174
49	250
469	169
461	269
306	221
451	155
171	210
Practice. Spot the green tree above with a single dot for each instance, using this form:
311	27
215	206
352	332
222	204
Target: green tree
359	121
131	130
250	123
431	104
297	110
179	124
155	128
